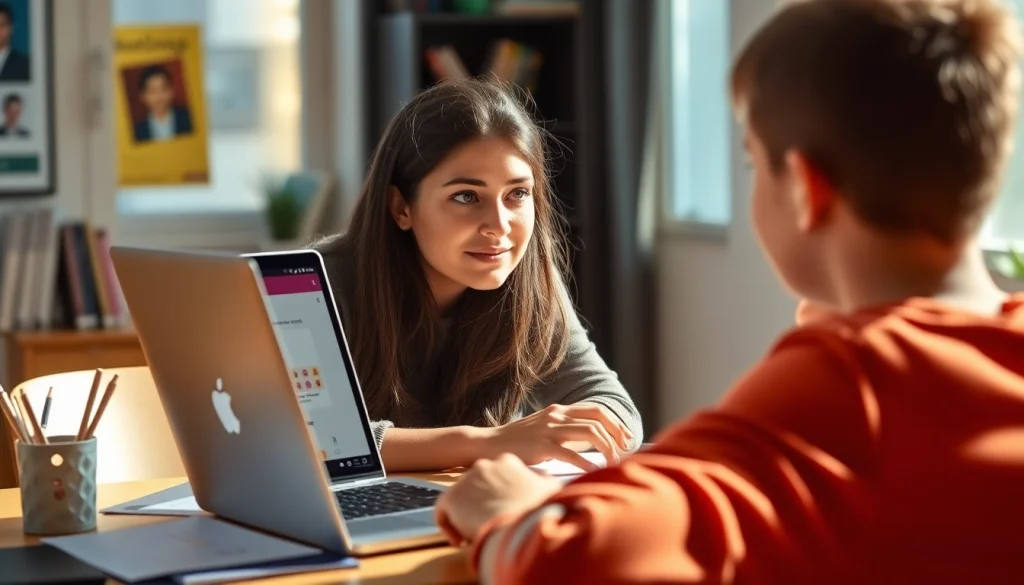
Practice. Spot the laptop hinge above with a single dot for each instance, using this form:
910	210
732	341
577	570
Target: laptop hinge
347	483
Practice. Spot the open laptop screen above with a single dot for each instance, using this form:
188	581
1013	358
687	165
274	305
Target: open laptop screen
307	324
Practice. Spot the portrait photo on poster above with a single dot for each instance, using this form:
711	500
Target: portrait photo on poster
160	106
27	134
158	101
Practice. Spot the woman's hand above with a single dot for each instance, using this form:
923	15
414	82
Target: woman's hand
491	488
555	431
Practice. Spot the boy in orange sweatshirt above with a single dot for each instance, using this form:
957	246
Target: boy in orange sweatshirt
882	440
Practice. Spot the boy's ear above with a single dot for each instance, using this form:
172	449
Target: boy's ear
399	209
813	193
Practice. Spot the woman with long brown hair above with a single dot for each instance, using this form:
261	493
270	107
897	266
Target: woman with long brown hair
450	284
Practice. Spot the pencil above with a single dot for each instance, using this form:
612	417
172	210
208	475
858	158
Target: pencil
102	407
16	409
11	419
87	415
46	408
26	407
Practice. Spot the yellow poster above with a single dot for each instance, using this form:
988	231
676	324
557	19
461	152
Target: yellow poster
160	109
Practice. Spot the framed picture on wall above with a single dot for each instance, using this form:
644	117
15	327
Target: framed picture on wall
27	137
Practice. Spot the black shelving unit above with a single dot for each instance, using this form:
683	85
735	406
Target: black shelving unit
568	96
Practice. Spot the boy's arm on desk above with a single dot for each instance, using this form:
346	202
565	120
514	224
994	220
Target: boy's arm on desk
714	500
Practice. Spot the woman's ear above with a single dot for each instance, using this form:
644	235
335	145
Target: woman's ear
813	193
399	209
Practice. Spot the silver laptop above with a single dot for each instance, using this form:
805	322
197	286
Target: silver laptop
255	377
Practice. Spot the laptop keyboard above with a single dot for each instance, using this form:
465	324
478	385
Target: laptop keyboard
384	498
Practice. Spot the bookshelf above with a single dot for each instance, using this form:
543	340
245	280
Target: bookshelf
567	89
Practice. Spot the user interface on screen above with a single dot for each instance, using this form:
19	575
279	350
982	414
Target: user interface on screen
316	360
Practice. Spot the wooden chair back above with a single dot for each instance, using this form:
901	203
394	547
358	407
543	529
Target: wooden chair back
134	440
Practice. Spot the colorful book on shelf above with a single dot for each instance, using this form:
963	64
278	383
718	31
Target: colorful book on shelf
56	273
508	60
105	312
445	63
115	296
538	7
516	63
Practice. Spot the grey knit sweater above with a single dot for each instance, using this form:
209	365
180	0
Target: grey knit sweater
582	377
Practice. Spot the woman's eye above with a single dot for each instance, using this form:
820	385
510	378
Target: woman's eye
520	194
464	197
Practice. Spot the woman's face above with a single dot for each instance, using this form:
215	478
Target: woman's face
472	217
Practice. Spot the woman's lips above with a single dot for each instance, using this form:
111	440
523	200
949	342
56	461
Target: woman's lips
490	255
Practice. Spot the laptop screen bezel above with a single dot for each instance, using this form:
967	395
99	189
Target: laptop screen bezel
276	262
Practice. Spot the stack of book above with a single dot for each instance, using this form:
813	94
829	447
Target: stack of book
56	274
509	61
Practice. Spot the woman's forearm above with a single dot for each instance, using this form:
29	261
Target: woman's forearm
432	449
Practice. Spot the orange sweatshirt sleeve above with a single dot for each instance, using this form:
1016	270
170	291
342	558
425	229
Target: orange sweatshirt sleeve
772	486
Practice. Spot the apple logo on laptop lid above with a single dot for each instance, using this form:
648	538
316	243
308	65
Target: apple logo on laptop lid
222	406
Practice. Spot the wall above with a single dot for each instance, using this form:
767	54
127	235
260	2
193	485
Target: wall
719	304
85	175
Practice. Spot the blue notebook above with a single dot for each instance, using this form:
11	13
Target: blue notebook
193	550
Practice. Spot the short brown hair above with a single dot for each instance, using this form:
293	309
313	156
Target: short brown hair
907	106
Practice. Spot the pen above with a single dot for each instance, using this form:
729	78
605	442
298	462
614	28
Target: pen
46	408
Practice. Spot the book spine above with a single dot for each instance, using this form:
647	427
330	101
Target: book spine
90	302
106	318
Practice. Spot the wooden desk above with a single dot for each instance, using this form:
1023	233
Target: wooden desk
440	564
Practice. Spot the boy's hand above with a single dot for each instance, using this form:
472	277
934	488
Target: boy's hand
490	488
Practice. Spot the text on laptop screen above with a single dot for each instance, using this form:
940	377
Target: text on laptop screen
317	368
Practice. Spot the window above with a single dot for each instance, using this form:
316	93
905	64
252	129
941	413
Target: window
252	84
696	55
1005	225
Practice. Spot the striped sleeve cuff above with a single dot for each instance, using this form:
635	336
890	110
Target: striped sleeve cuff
623	414
497	544
379	427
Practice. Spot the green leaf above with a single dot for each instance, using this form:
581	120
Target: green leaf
1017	262
283	210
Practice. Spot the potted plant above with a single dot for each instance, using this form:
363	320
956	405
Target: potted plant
1015	267
284	212
1008	269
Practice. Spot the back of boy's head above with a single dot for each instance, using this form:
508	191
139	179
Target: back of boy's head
906	106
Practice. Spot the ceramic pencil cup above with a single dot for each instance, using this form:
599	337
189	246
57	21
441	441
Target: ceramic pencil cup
58	485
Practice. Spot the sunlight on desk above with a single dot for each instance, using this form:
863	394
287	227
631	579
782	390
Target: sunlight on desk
439	564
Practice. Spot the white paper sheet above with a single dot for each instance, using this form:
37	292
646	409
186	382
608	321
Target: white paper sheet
188	504
561	468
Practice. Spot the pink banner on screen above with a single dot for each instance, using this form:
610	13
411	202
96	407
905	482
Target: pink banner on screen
292	284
